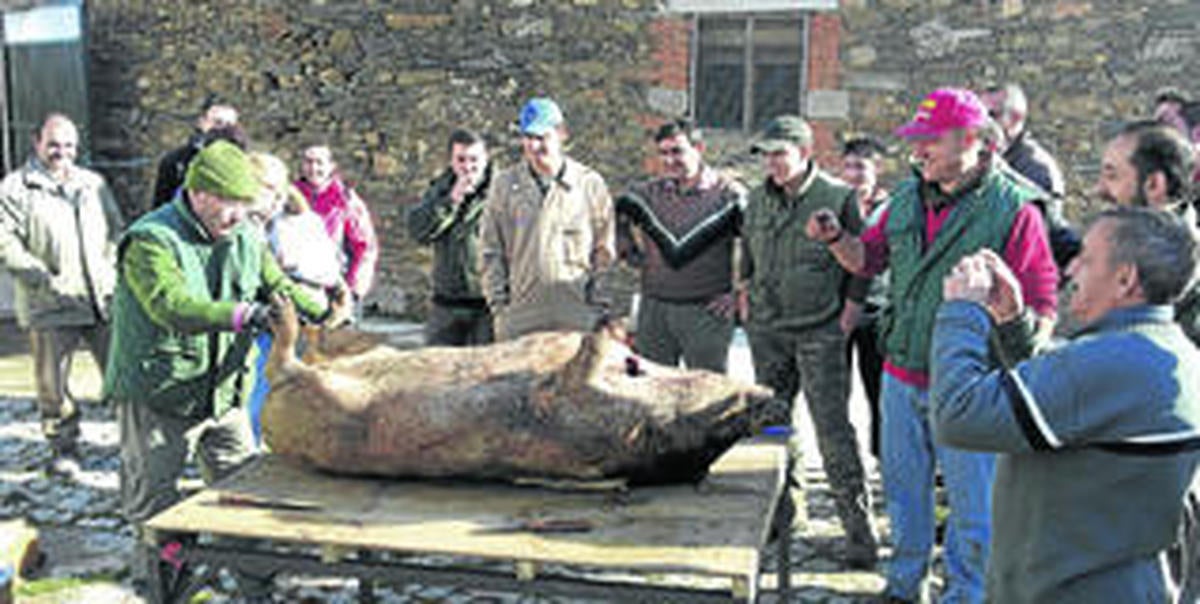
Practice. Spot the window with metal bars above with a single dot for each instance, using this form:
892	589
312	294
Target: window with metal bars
747	68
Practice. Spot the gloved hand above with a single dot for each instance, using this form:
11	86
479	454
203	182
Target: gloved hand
260	317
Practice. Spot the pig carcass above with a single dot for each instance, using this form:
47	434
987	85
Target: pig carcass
559	406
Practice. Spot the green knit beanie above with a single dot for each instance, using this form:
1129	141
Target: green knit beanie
222	170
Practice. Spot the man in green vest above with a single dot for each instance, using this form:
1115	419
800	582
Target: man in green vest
194	286
799	317
960	200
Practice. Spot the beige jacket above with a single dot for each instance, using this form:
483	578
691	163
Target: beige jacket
59	240
545	259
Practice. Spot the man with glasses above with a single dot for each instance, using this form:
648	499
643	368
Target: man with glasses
548	235
680	230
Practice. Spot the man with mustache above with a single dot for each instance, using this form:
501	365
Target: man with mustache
59	226
548	235
958	201
681	234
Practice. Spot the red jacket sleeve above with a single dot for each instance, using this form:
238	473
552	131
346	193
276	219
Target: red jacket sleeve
363	246
1028	255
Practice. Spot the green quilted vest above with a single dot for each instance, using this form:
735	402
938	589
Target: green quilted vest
982	218
796	283
189	374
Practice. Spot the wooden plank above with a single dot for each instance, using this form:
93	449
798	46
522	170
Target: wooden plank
715	528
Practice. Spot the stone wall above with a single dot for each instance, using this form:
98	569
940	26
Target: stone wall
383	83
1086	65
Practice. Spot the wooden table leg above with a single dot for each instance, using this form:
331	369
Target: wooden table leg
783	541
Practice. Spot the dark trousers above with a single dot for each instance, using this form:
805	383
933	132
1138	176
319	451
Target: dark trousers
458	325
865	340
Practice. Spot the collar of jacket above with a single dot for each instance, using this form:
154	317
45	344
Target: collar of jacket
188	215
38	177
1018	141
933	196
1130	316
568	177
336	189
781	193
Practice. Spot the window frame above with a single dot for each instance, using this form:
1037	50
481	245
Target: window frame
748	118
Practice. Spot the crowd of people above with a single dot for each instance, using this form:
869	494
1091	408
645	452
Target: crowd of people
1065	455
1036	424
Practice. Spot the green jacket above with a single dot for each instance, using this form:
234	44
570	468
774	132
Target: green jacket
982	218
453	230
794	281
173	343
59	240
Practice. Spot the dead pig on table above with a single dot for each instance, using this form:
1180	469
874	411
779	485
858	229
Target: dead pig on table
558	405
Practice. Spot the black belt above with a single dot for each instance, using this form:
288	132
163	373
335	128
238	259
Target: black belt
476	303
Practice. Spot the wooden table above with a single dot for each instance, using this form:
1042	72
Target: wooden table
305	522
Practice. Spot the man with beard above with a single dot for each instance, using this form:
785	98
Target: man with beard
1149	164
958	201
548	240
680	230
448	218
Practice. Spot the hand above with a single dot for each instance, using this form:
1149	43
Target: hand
985	279
851	314
260	317
462	187
1005	301
341	307
823	226
724	306
35	278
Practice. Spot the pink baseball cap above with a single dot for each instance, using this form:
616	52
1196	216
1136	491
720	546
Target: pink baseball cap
943	110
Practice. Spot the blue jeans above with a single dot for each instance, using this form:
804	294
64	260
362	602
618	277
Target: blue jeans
908	464
258	396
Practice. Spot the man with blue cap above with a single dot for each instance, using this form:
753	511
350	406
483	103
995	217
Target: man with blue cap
547	235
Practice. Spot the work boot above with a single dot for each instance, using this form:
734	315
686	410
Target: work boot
862	544
62	433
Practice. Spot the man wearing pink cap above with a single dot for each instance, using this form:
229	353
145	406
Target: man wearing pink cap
957	202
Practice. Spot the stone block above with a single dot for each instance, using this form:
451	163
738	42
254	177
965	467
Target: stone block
416	20
861	56
666	101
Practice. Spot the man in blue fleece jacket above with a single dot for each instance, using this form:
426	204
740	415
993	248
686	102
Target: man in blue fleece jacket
1100	438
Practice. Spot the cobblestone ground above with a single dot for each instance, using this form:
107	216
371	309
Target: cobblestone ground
84	535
